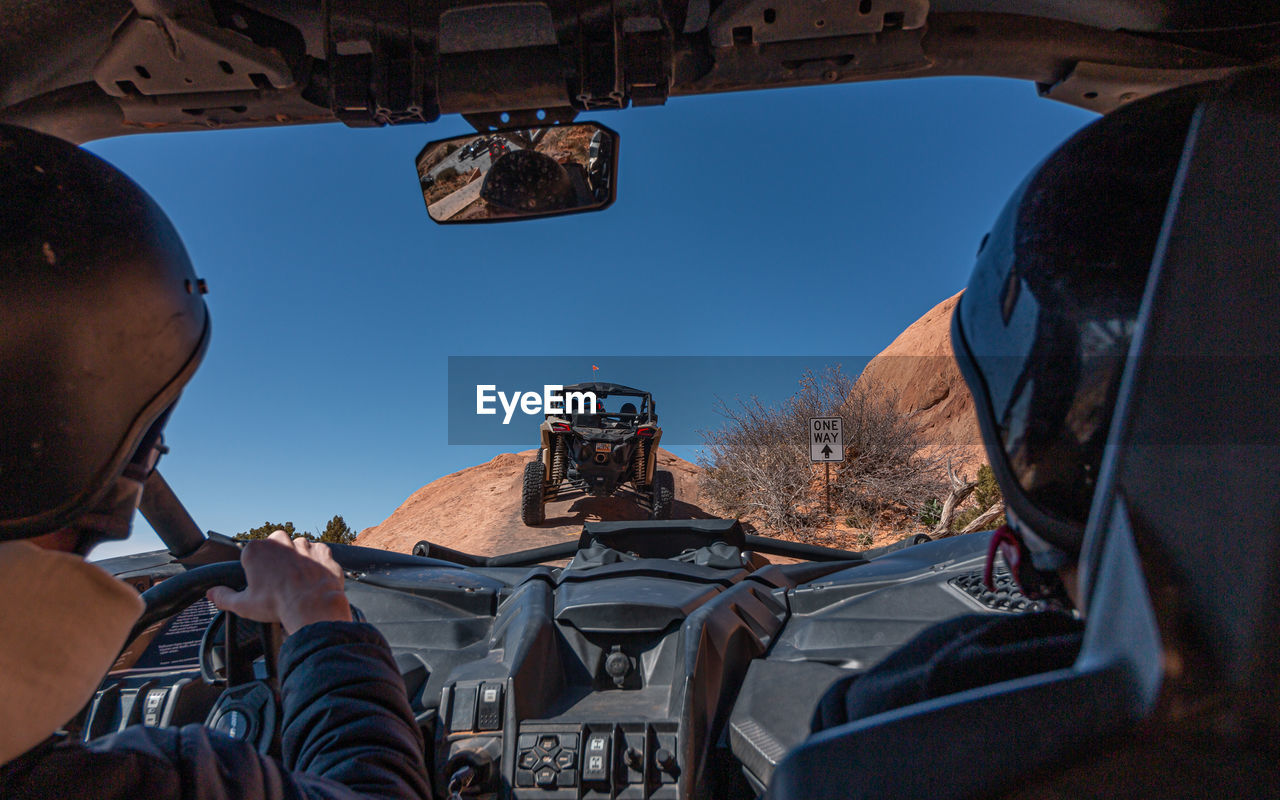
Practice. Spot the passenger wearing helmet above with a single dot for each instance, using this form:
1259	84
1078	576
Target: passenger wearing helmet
104	324
1042	334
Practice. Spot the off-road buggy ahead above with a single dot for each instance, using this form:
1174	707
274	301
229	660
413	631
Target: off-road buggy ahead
588	449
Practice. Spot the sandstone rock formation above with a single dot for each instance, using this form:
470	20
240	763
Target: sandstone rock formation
920	367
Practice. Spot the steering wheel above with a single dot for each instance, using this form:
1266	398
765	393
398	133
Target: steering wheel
248	709
176	593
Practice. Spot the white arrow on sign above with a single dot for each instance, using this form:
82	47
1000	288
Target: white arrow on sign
826	439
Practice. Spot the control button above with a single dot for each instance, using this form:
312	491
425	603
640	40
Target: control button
635	758
463	717
595	770
568	778
233	723
546	760
665	758
548	742
569	741
528	760
489	709
153	706
545	777
524	777
595	758
527	741
566	759
546	751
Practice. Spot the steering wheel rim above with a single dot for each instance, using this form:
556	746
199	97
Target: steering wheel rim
176	593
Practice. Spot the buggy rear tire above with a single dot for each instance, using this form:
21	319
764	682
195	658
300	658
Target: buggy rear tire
664	495
533	509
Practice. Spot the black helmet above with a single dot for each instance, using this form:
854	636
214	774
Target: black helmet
527	181
1043	330
103	324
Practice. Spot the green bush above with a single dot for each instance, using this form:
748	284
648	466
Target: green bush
337	531
985	494
931	514
987	491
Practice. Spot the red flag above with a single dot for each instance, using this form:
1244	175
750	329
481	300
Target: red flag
594	368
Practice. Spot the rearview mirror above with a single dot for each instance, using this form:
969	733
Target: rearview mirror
519	173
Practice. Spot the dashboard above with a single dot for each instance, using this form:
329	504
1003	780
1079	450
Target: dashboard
658	663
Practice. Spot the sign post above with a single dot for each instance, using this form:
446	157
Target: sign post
826	444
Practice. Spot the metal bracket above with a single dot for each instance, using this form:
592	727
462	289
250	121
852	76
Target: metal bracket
381	69
1106	87
163	56
488	121
766	21
627	58
646	60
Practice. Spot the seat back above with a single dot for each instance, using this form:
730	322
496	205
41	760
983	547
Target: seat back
1181	567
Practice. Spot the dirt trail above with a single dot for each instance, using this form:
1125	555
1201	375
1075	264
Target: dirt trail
477	510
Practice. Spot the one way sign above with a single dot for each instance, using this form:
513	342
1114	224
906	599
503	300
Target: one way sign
826	439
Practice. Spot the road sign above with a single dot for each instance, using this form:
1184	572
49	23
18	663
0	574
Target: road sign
826	439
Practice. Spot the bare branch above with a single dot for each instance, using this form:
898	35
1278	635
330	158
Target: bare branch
959	492
984	519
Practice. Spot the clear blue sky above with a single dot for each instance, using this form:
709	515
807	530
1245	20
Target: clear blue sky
336	302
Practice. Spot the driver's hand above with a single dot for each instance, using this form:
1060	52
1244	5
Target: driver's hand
293	582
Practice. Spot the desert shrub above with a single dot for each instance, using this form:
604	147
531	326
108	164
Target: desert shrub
447	173
987	491
985	494
931	514
758	461
757	465
336	531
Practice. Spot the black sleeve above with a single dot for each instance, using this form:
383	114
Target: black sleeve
346	715
348	735
953	656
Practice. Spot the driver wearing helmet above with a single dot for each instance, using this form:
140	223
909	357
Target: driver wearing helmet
1041	335
104	324
529	182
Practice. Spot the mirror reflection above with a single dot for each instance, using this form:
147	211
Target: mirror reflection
519	173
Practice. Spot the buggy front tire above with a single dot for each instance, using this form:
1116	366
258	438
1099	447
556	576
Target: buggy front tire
533	509
664	494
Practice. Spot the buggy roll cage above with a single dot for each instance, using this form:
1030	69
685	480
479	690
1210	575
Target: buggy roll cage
646	414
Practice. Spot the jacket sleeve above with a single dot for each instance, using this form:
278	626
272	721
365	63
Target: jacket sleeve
348	734
953	656
346	716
